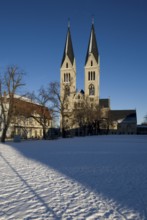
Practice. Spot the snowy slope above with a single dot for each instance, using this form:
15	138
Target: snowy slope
99	177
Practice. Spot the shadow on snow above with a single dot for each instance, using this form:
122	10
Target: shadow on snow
114	166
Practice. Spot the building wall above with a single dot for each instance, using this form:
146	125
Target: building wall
23	125
92	74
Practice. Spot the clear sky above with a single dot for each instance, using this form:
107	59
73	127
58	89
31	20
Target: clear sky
33	32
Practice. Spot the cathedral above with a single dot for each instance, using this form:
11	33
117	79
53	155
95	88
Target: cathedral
84	111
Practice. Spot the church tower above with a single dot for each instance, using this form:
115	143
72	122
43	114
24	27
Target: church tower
68	68
92	68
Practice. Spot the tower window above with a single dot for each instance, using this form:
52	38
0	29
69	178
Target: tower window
88	75
66	65
91	89
66	77
93	75
91	62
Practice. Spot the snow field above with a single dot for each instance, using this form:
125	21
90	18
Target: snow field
93	178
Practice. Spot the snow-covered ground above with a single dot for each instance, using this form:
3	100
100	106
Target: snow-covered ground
93	178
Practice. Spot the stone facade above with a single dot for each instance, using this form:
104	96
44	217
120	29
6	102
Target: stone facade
107	120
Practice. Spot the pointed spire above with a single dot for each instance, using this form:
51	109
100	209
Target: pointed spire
92	46
68	49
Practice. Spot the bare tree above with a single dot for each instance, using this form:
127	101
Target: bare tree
41	113
10	82
87	116
59	105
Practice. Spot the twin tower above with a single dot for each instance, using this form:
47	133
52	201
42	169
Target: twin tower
92	68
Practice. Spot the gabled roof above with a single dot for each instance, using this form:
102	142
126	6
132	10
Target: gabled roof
104	103
123	116
92	46
25	107
68	49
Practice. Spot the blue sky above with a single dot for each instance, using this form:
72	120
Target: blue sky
33	32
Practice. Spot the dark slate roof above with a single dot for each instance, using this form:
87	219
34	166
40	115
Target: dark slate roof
68	49
92	46
125	116
104	103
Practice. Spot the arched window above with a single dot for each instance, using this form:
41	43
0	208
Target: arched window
91	62
88	75
66	77
93	75
66	65
91	89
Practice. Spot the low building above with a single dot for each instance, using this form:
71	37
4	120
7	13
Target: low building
123	122
142	129
28	119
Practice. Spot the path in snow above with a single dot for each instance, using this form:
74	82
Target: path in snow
80	178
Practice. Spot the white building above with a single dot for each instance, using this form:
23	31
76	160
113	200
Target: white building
27	118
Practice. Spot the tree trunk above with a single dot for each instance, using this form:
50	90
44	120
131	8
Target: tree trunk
44	133
3	137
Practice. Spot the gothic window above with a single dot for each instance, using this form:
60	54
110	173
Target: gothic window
88	75
91	63
66	77
93	75
91	89
66	65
